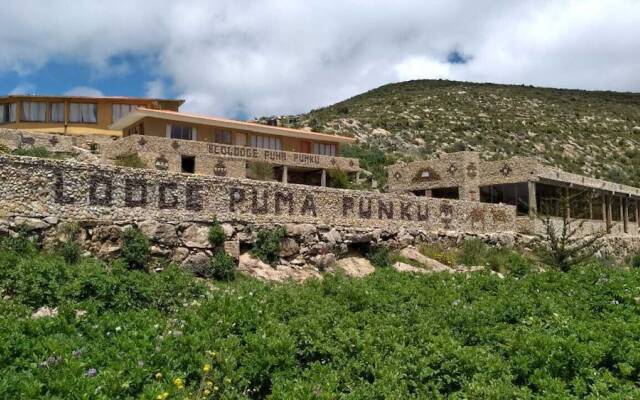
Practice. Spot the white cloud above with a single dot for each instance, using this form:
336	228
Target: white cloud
155	89
24	88
284	56
84	91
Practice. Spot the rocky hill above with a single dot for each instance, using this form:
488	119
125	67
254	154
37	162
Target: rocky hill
587	132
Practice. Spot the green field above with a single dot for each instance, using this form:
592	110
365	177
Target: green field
390	336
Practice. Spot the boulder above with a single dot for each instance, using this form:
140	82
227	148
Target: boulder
356	267
30	224
288	247
198	264
179	254
45	312
323	261
300	229
196	236
228	230
435	266
232	248
159	232
333	236
404	267
253	267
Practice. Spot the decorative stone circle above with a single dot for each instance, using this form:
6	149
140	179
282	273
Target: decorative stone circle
452	169
472	170
505	170
175	145
220	169
333	161
397	176
142	142
54	141
162	163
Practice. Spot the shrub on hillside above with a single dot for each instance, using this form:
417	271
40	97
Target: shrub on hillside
130	160
338	179
38	152
69	250
135	248
379	257
472	252
216	234
439	253
223	266
267	244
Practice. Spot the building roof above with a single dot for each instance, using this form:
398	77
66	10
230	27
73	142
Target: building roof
140	113
111	98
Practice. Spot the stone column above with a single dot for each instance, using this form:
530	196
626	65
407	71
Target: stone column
533	205
285	174
323	178
624	212
608	212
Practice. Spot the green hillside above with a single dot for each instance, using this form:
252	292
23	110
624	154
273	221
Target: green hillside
593	133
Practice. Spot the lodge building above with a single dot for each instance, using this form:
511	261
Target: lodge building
526	183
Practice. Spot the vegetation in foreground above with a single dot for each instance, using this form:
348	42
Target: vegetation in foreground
121	332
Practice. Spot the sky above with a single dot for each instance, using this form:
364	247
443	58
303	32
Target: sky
242	59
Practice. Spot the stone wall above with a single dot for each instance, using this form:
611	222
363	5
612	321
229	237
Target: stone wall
55	143
36	187
210	155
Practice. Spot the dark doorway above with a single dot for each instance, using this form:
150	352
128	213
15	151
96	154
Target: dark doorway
188	164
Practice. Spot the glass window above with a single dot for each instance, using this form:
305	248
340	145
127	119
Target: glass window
120	110
580	203
223	137
7	113
549	200
33	111
86	113
181	132
56	112
263	142
324	149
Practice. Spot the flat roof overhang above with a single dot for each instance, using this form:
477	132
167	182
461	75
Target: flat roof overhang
85	98
140	113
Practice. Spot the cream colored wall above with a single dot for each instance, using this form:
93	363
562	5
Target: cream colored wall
206	133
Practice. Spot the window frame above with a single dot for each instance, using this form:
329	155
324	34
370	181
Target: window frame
6	111
95	107
23	115
50	112
324	149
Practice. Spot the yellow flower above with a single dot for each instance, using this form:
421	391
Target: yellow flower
207	392
159	375
162	396
215	388
179	383
209	383
213	354
206	368
227	380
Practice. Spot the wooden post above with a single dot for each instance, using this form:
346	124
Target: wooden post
285	174
533	206
323	179
567	209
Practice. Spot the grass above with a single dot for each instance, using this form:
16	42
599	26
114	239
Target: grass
123	333
38	152
131	160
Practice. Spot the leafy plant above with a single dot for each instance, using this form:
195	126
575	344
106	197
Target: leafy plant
130	160
259	171
338	179
69	250
135	248
267	244
38	152
379	256
223	266
216	234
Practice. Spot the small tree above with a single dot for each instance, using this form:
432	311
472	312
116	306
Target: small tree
267	244
216	234
564	242
135	248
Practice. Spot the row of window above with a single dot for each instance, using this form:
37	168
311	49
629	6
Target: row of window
262	142
36	111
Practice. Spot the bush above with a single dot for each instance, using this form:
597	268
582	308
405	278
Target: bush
440	254
267	244
69	250
130	160
379	257
216	234
259	171
634	261
38	152
338	179
223	266
472	252
135	248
